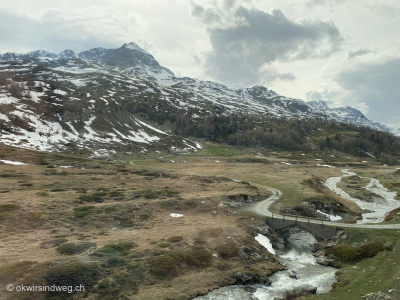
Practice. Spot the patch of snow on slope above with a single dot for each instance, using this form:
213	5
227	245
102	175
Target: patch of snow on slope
328	166
176	215
15	163
4	117
60	92
4	99
142	137
264	241
331	217
149	126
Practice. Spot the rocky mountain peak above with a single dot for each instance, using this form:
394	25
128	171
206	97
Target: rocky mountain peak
66	54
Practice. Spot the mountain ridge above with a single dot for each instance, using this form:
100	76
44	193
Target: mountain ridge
105	98
132	60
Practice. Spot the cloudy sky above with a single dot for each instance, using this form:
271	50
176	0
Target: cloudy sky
344	51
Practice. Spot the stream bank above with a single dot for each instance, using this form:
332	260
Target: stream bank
303	275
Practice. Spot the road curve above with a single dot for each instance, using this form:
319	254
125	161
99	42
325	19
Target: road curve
262	208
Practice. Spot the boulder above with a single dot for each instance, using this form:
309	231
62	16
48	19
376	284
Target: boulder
292	274
248	277
377	296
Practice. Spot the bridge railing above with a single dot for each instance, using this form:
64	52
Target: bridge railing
302	218
317	215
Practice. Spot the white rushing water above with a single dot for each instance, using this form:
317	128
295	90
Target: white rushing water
378	209
299	259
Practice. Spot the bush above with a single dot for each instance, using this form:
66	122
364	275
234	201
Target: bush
6	208
223	266
73	274
163	266
115	249
169	263
175	239
198	257
163	244
353	254
113	262
95	197
83	211
16	90
75	248
370	250
227	250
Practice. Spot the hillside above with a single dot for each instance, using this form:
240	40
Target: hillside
105	100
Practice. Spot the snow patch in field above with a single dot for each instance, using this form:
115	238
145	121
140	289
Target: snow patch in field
176	215
328	166
60	92
78	82
4	117
264	241
4	99
331	217
149	126
15	163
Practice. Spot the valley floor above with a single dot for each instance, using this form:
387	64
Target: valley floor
160	226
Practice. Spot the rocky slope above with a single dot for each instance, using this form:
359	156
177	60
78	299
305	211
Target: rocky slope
95	100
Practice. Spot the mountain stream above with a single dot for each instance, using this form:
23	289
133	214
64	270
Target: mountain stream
299	260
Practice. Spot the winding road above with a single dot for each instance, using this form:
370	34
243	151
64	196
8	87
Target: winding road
262	209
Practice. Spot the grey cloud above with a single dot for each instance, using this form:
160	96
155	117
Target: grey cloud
359	52
383	10
330	3
56	31
376	84
207	15
241	51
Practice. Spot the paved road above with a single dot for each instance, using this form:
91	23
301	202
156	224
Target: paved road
262	208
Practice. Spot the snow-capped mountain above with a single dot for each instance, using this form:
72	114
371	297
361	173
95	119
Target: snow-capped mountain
123	98
349	115
66	54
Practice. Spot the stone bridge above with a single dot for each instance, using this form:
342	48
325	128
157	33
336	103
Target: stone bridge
320	230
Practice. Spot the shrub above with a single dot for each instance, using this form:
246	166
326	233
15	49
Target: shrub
353	254
95	197
370	250
198	257
83	211
175	239
169	263
163	266
73	274
75	248
115	249
149	194
113	262
163	244
223	266
227	250
41	194
6	208
58	190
